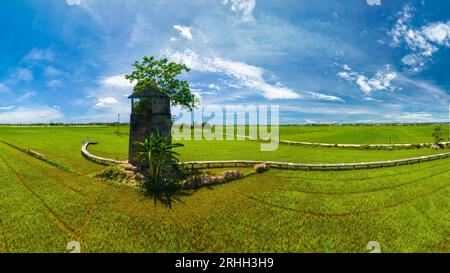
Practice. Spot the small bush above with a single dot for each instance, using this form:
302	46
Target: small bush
113	174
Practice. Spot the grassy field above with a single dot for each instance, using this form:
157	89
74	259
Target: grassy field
385	134
63	144
42	208
358	134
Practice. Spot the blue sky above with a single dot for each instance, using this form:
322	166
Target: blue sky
320	61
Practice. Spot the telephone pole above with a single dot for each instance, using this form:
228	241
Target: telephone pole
118	124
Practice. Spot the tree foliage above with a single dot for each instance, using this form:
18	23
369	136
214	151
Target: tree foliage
437	134
162	75
158	155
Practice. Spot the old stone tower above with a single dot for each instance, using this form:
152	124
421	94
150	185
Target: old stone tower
150	111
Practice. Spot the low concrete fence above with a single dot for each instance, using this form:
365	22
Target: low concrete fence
194	165
316	144
311	167
98	159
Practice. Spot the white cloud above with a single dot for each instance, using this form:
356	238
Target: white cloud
438	94
416	117
346	67
374	2
401	26
23	74
320	96
213	86
51	71
184	31
243	8
272	92
105	102
346	75
243	74
417	41
27	95
3	88
413	60
381	81
37	54
334	110
30	115
141	32
363	84
423	42
117	81
53	83
10	107
438	33
73	2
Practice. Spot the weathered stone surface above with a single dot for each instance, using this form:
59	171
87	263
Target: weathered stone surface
131	168
150	112
205	180
260	168
35	154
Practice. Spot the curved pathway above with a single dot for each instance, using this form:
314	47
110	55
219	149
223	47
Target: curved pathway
281	165
98	159
291	142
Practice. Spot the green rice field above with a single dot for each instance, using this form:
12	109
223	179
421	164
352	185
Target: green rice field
405	209
363	134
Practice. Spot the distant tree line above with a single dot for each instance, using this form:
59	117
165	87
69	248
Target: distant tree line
56	124
206	124
369	124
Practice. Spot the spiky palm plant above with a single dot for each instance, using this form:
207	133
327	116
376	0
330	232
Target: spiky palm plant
158	155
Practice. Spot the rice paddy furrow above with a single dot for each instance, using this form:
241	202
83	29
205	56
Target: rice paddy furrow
410	182
52	214
345	214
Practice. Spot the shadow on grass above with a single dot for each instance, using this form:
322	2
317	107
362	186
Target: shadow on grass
172	191
166	193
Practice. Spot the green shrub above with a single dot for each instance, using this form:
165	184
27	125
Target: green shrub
158	156
437	134
365	147
113	174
